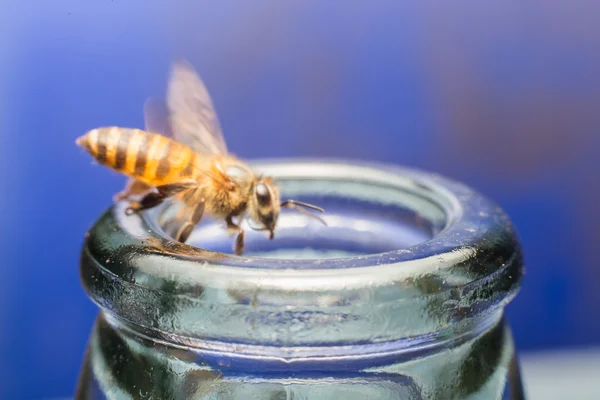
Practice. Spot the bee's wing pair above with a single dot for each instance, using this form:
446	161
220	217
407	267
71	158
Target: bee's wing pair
188	115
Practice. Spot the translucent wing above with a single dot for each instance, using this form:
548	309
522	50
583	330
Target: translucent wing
156	117
193	119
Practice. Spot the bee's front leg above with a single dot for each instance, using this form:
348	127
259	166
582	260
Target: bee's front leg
239	240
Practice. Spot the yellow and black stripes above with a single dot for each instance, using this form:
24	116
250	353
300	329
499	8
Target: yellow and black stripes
121	153
164	162
141	155
148	157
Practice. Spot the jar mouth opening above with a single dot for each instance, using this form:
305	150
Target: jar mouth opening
374	215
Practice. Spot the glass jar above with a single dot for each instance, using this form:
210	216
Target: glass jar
401	296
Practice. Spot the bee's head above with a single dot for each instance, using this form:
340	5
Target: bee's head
265	204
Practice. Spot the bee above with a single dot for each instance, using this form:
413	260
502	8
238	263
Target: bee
181	154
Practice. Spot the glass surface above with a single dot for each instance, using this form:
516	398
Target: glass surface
401	296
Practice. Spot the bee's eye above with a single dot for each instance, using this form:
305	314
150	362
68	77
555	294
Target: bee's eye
263	195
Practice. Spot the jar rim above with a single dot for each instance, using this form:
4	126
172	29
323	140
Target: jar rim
476	249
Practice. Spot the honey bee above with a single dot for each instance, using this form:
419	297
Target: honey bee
181	154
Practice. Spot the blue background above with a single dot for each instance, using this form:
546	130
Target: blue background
504	96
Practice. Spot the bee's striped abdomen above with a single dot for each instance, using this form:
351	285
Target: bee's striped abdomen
109	146
148	157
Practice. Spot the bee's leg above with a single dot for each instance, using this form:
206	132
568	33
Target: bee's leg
184	231
133	187
163	192
239	240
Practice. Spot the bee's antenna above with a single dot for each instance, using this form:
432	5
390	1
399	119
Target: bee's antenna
297	205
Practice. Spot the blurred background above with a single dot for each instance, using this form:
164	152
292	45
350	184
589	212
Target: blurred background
504	96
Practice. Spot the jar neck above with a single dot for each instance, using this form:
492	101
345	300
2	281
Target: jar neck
310	358
126	362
